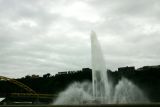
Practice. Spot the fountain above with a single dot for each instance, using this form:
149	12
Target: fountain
101	90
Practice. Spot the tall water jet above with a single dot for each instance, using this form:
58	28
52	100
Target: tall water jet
99	75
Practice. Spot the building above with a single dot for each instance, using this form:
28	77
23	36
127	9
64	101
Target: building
61	73
155	67
126	69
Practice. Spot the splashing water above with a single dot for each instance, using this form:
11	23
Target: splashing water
100	91
77	93
127	92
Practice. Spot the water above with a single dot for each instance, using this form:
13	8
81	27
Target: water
101	90
77	93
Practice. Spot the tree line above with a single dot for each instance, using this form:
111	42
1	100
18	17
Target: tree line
146	78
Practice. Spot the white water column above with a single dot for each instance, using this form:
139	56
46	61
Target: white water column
100	83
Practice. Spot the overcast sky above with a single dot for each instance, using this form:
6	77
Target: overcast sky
49	36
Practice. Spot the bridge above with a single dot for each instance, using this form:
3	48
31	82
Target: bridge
30	94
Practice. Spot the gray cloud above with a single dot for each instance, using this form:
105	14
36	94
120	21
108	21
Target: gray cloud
37	37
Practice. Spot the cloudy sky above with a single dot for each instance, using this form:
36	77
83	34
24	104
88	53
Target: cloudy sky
49	36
